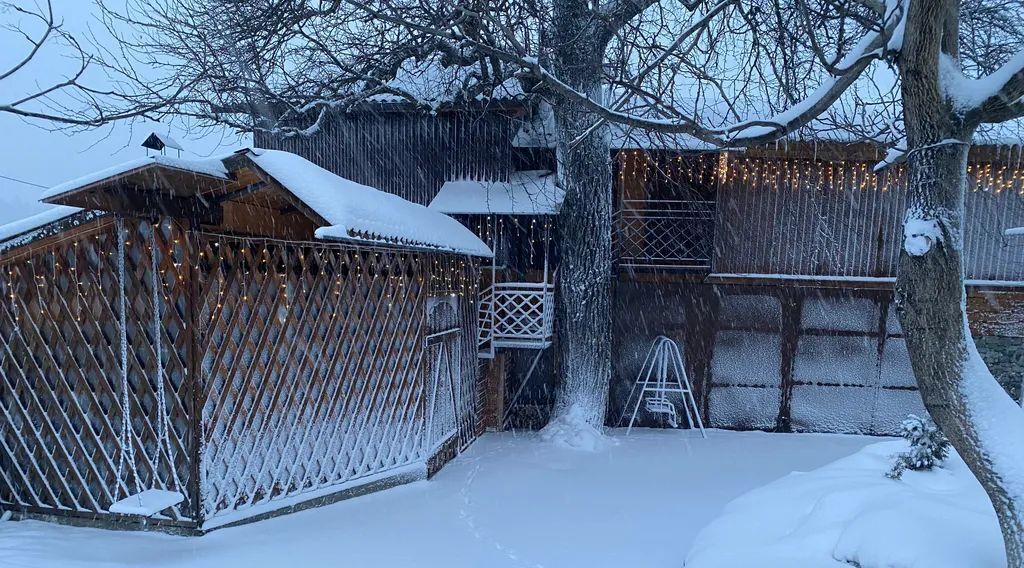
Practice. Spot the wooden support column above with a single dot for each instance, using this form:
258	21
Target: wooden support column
495	384
792	305
194	369
702	309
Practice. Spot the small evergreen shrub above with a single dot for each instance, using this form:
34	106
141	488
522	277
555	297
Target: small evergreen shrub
928	446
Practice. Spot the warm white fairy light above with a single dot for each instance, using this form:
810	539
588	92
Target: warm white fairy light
759	174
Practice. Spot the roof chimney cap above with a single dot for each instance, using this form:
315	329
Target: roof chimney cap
159	142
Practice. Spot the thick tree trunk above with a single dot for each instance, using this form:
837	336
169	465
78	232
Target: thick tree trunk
981	421
960	394
584	295
583	310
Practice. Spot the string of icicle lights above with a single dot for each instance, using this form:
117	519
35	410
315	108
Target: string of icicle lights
285	261
778	173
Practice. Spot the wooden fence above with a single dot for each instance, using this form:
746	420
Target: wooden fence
67	383
312	369
311	363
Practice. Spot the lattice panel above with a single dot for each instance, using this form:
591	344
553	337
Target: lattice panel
60	371
665	236
522	313
471	419
312	362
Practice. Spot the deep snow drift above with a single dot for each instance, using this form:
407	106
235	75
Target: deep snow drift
848	513
512	500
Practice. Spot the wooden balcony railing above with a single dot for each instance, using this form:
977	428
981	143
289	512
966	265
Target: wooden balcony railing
516	315
664	234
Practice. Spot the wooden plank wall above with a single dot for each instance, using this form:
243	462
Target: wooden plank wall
794	358
828	218
406	153
803	216
61	392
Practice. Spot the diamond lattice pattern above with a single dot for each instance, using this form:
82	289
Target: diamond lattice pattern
61	390
313	364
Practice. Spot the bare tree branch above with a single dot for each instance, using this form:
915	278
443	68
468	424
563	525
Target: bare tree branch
70	101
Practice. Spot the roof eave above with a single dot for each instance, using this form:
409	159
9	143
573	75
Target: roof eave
60	198
392	244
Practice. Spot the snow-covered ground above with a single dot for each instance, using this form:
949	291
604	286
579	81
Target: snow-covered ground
510	501
849	514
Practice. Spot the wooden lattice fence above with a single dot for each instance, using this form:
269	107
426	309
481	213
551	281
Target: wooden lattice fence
313	360
311	369
63	370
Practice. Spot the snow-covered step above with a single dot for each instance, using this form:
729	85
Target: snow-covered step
147	503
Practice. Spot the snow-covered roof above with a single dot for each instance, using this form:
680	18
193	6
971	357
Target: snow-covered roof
22	227
361	213
353	211
212	167
532	192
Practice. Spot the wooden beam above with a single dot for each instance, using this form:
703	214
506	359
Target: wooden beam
135	201
792	307
251	188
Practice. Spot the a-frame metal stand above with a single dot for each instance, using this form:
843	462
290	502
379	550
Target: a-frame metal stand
662	374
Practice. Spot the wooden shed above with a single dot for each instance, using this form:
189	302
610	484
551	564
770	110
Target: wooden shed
250	332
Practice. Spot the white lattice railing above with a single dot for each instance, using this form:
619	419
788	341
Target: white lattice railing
517	314
660	233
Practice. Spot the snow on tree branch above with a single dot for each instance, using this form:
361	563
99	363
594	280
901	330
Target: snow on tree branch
872	47
996	97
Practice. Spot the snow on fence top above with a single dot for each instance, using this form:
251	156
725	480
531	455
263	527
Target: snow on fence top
531	192
213	167
1015	232
361	213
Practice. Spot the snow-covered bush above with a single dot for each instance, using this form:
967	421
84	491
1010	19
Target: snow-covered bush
928	446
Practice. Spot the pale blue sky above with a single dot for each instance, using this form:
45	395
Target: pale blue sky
29	152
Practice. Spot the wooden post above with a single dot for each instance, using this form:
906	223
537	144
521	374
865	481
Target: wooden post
495	380
792	305
699	345
194	370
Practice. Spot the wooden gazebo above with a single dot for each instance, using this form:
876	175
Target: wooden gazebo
251	332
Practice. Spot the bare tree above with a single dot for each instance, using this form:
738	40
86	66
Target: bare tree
95	92
728	73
